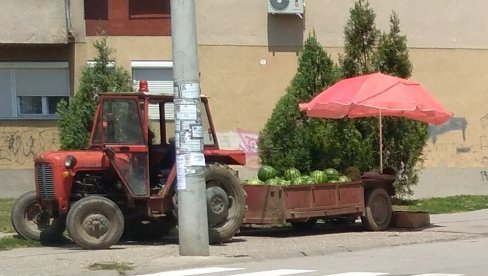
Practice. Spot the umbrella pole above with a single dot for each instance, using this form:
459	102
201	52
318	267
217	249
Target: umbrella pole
381	143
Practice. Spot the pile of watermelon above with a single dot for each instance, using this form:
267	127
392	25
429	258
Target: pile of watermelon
267	175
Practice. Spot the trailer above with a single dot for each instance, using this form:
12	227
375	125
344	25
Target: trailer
302	205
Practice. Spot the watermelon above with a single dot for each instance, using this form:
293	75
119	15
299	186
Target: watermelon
310	180
332	174
319	176
266	172
298	181
343	179
255	181
292	173
285	182
274	181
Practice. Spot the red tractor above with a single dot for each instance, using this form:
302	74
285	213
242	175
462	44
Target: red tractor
124	183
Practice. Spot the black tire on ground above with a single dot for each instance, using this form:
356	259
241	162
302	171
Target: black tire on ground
31	223
225	214
304	225
137	230
95	222
378	210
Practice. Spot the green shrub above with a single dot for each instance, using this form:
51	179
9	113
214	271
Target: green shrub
75	119
286	140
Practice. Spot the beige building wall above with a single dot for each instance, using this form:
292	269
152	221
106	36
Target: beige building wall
248	58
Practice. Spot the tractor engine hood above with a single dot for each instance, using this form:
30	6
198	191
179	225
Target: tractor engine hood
74	160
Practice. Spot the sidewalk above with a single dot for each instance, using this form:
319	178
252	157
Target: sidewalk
475	222
249	245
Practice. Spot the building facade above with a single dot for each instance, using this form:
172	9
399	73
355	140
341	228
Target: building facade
247	59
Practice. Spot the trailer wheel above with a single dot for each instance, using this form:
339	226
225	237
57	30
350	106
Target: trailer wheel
32	223
378	210
95	222
225	203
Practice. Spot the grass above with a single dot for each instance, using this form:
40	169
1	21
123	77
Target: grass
5	207
121	268
10	242
444	205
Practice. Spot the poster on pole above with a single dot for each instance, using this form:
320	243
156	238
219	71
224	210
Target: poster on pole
180	172
187	111
190	90
196	159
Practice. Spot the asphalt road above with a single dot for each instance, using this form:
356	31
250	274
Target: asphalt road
453	258
261	245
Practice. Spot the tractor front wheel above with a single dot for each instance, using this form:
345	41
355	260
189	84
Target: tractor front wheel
95	222
33	223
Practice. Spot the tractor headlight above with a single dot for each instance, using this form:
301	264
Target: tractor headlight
69	162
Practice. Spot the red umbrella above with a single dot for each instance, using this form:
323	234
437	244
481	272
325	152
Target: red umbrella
377	94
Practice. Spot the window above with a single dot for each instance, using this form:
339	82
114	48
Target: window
32	89
123	124
159	77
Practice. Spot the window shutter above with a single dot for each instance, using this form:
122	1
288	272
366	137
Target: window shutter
6	94
42	82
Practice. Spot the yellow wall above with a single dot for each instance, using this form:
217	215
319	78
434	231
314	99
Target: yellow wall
21	140
244	84
248	58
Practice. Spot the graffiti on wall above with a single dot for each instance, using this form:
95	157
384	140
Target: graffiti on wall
20	146
484	175
454	124
248	142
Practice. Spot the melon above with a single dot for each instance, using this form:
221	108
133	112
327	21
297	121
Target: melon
319	176
274	181
292	173
332	174
298	181
255	181
285	182
266	172
310	180
344	179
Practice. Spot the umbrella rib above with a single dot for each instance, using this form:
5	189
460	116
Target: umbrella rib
379	93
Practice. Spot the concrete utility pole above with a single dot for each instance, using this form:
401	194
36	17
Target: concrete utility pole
190	161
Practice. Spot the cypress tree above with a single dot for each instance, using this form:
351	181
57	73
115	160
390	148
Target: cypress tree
405	138
360	39
286	140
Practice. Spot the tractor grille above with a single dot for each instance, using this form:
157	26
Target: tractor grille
45	181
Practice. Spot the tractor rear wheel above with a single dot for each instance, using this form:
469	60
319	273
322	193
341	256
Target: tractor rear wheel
33	223
95	222
225	203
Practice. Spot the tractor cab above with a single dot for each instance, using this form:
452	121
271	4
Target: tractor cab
136	131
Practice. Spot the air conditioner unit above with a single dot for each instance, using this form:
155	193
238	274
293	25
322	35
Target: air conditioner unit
285	6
